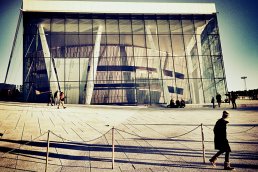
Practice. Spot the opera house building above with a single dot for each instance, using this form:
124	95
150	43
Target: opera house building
122	52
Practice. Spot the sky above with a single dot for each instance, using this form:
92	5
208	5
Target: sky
238	27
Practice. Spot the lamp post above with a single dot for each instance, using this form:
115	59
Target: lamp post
244	78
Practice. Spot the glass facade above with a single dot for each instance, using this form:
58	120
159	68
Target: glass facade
122	59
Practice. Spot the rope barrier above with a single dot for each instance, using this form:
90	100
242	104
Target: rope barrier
83	140
152	138
23	144
186	132
235	132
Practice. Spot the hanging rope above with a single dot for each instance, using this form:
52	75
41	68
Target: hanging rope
152	138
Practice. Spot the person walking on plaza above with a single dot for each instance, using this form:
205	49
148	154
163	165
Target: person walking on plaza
218	98
61	101
213	102
233	99
221	142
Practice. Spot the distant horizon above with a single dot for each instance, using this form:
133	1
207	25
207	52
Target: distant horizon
238	32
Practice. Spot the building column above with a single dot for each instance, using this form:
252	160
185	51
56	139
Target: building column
157	62
195	40
52	76
93	67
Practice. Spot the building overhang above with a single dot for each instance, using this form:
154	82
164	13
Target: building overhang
117	7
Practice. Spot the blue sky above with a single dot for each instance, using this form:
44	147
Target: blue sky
238	26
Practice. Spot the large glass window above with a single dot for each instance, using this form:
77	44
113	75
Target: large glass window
123	59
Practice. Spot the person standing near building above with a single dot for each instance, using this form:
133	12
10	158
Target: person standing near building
213	102
233	99
221	141
61	101
50	98
218	98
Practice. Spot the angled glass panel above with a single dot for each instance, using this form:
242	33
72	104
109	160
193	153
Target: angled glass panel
137	25
193	66
180	67
139	45
57	26
60	68
126	45
84	62
178	45
217	66
125	26
113	40
190	45
150	25
71	26
72	45
72	92
112	26
156	91
196	90
199	23
72	69
152	44
163	25
57	45
165	44
85	26
212	24
215	46
221	88
182	90
209	89
175	25
187	25
96	24
206	67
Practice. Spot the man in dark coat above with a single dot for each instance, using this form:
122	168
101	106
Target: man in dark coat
233	99
221	141
218	98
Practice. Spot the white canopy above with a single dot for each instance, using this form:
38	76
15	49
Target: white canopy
117	7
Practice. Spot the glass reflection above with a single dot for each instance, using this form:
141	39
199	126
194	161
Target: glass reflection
123	59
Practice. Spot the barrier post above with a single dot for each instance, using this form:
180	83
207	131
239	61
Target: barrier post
203	149
113	148
47	151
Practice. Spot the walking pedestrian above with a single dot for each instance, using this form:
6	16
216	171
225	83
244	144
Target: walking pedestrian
61	101
221	141
218	98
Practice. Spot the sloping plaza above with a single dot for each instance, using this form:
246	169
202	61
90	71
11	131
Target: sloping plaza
146	138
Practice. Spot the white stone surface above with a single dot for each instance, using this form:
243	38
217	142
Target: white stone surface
156	150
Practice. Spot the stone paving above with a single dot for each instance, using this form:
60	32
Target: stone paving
147	139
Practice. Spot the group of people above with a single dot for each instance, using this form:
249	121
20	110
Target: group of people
57	99
231	97
178	104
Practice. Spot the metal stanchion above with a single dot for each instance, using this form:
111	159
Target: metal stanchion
203	149
47	150
113	148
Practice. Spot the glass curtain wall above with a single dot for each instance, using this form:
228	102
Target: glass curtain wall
122	59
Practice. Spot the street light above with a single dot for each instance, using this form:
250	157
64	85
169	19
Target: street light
244	78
